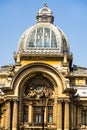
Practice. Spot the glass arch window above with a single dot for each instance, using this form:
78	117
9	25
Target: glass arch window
32	39
46	37
39	37
42	37
53	40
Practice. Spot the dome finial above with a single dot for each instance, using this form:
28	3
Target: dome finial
45	15
45	4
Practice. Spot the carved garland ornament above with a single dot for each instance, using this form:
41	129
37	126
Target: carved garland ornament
36	86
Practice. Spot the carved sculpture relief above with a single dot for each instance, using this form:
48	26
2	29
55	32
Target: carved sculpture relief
36	86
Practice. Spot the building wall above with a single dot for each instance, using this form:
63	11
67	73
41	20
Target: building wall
43	79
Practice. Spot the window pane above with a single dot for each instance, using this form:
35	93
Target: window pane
50	114
50	118
86	122
42	37
36	118
32	39
46	37
39	118
84	117
37	114
25	113
53	40
39	37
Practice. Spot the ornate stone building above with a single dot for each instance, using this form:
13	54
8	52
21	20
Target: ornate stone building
43	78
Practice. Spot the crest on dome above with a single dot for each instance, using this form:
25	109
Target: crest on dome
45	5
45	15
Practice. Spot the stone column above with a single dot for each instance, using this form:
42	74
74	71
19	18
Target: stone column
8	113
30	112
71	115
74	115
15	116
78	116
66	115
59	116
45	115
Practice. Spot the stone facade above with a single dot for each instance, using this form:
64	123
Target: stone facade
43	78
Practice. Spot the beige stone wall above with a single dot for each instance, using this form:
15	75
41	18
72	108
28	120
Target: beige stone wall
66	113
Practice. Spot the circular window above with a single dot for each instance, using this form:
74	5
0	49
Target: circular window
38	88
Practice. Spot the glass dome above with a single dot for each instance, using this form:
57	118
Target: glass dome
44	36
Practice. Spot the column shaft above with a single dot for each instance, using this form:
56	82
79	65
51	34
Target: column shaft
59	116
78	116
74	122
45	115
66	116
15	115
71	115
8	113
30	113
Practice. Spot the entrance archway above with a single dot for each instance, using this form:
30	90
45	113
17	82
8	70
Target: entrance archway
29	82
30	101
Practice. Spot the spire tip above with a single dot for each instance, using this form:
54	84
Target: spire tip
45	4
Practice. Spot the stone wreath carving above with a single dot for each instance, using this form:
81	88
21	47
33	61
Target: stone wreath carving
35	87
34	93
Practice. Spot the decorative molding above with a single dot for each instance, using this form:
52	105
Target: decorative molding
67	101
60	100
35	87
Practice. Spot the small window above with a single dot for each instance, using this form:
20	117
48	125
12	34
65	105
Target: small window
25	113
80	82
84	117
50	114
37	114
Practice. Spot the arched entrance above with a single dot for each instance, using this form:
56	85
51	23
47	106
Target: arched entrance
30	82
30	104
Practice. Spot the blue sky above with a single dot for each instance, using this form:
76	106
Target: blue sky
18	15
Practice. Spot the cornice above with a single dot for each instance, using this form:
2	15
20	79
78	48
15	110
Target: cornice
79	75
42	56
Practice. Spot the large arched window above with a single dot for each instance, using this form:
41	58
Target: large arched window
42	37
33	90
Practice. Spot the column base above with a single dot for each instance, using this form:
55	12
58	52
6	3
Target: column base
14	128
59	129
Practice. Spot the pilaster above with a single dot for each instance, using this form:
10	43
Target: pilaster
78	116
15	115
66	115
30	112
45	115
55	111
8	113
71	115
59	116
74	113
